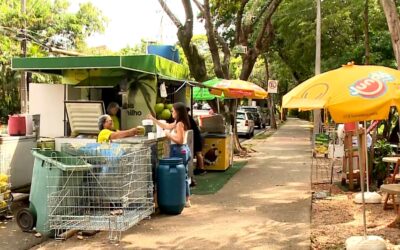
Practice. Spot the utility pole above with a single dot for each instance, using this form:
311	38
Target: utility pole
318	40
366	32
23	84
317	112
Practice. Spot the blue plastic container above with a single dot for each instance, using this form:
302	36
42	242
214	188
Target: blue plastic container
166	51
171	186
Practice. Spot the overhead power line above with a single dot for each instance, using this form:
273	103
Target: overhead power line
17	34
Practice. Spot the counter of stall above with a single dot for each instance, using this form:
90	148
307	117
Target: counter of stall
83	123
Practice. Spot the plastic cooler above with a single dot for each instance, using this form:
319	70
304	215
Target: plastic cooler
48	164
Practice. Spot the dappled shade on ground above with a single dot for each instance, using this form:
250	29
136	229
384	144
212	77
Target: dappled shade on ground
213	181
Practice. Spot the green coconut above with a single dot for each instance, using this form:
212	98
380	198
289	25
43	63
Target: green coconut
159	107
165	114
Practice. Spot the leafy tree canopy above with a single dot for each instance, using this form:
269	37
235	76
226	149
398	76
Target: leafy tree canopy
342	36
47	23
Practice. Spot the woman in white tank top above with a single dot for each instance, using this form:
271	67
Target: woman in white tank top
177	133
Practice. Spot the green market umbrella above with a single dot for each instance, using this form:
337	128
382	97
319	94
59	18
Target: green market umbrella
202	94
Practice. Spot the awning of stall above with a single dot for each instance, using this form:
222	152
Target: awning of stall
102	70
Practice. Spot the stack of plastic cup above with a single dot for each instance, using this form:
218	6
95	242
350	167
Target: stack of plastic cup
160	130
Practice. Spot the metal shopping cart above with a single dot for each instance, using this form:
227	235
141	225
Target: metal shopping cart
115	194
110	188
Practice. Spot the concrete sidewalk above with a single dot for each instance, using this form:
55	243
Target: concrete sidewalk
266	205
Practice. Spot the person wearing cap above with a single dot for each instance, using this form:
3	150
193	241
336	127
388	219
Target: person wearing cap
106	134
112	110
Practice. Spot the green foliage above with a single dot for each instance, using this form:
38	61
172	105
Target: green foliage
200	41
258	74
381	149
47	24
138	49
305	115
294	41
9	95
342	38
225	13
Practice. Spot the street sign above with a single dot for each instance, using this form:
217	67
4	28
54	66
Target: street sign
273	86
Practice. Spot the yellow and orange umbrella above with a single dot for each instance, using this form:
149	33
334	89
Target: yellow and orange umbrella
350	93
236	89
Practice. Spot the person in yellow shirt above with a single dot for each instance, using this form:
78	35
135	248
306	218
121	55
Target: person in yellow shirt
107	134
112	110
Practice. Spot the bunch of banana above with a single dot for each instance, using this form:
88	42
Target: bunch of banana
3	187
3	204
3	178
321	149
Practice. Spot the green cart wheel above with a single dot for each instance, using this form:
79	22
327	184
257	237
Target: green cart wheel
25	220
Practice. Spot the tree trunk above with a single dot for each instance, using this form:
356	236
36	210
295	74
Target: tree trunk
249	60
271	106
237	148
284	114
197	64
392	18
212	41
270	100
388	125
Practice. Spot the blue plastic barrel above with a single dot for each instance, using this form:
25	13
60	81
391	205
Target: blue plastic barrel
171	187
166	51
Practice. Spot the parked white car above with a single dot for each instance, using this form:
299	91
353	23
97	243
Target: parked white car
245	123
262	115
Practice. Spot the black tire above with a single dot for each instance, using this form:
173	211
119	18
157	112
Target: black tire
26	220
248	136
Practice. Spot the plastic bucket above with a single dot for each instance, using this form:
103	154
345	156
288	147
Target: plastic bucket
16	125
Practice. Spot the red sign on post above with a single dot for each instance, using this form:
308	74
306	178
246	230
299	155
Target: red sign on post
272	86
